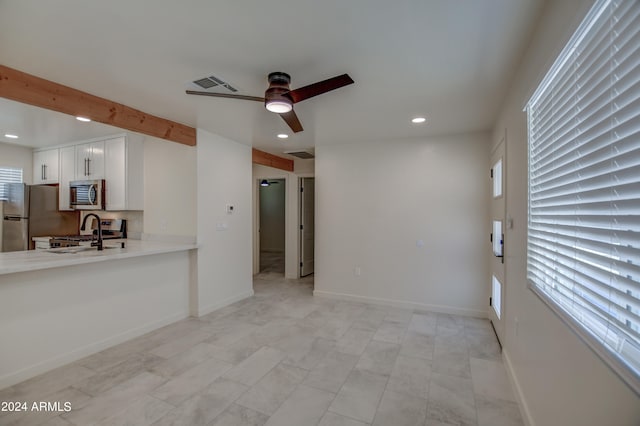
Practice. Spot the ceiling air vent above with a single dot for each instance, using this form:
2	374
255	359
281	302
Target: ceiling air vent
301	154
214	82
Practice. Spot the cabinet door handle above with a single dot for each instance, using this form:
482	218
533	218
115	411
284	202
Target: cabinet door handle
88	166
44	172
85	166
41	171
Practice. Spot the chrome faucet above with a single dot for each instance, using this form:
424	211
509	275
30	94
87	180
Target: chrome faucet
82	228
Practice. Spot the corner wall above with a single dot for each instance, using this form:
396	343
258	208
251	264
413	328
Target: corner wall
559	380
224	240
377	202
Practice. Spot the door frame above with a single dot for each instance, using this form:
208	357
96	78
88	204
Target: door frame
498	211
256	220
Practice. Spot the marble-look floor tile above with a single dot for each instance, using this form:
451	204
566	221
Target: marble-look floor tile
359	396
52	381
252	369
354	341
392	332
237	415
490	379
451	400
410	376
423	323
379	357
331	372
497	412
117	398
273	389
143	412
204	406
484	347
451	360
178	345
333	419
399	316
418	345
304	351
57	421
181	387
305	406
400	410
106	379
185	360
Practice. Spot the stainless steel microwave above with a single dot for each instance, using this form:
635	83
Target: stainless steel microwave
87	194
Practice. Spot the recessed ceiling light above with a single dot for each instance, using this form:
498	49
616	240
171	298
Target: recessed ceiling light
10	136
83	119
283	135
418	120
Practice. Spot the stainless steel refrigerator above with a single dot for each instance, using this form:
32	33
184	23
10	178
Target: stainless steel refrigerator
32	211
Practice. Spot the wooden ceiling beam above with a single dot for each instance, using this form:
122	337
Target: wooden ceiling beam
22	87
270	160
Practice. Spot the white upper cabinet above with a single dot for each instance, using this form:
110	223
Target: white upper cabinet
45	166
90	161
124	173
67	174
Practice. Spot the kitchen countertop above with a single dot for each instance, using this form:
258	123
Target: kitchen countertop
32	260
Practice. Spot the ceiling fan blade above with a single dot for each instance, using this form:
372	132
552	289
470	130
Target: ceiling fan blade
225	95
292	120
319	88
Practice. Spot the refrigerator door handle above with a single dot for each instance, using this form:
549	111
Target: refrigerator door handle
13	218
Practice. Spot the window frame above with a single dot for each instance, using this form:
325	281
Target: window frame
611	359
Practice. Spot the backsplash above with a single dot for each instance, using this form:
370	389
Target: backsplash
135	221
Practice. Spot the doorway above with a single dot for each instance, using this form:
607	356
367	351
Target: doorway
271	228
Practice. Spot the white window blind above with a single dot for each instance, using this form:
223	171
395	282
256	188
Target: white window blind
583	244
8	175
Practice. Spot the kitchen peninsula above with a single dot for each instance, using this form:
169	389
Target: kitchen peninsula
58	307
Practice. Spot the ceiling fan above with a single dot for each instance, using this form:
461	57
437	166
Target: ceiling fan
279	98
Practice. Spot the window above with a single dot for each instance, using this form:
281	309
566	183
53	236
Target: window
496	295
496	173
8	175
583	243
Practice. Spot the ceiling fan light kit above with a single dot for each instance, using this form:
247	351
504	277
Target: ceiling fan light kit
279	98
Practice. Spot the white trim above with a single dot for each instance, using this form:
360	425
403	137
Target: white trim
90	349
403	304
515	386
226	302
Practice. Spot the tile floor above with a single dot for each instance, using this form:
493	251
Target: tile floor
271	262
282	358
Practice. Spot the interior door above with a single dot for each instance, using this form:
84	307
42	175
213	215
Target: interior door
498	207
307	189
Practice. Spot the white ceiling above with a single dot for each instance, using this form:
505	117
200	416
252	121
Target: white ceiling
450	61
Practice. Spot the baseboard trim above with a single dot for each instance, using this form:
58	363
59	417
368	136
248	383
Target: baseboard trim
402	304
90	349
226	302
515	385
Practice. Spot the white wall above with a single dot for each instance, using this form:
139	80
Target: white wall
224	256
374	201
272	218
19	157
169	188
559	379
51	317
